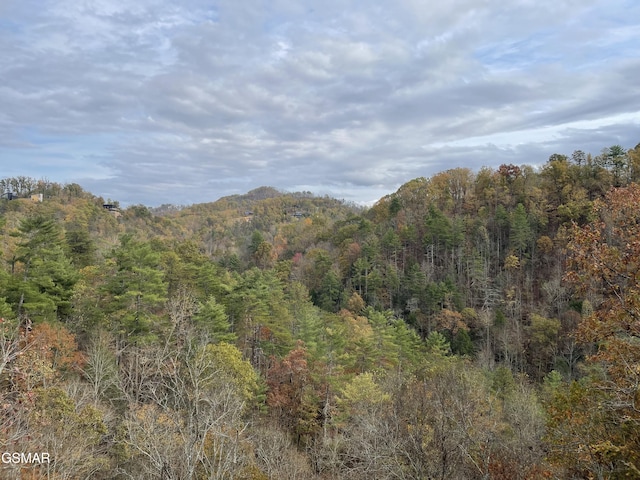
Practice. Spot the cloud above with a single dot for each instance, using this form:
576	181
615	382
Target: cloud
158	101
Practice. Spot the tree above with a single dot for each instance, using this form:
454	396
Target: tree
43	277
307	319
543	343
138	288
214	321
80	247
604	264
520	234
259	315
192	423
449	421
13	345
634	163
101	369
368	437
262	252
56	423
277	456
329	294
291	393
51	354
11	338
579	432
265	256
616	160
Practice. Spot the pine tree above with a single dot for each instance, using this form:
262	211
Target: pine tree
43	277
213	320
138	287
520	233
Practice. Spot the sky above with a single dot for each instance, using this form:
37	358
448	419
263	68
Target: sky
158	101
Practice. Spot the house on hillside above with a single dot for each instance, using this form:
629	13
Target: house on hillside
113	208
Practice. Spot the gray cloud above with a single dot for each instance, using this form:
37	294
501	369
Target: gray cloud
158	102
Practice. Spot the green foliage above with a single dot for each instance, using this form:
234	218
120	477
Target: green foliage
235	371
43	277
259	313
80	246
307	319
543	338
5	309
214	322
329	294
57	422
437	344
362	396
461	343
502	382
185	320
138	288
520	233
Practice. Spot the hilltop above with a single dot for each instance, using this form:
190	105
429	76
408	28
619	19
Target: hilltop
469	325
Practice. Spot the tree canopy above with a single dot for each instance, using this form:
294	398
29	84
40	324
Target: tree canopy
470	325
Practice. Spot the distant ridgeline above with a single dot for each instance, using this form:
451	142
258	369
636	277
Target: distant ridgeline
473	324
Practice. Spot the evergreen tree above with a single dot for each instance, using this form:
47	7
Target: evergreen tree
43	277
138	287
79	245
520	233
213	320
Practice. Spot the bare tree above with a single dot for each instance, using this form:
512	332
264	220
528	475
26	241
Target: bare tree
277	456
190	422
13	343
101	369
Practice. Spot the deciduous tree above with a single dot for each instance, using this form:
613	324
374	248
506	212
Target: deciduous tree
605	260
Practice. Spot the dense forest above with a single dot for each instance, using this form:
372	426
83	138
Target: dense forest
471	325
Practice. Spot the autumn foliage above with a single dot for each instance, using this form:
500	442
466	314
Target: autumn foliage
604	266
471	325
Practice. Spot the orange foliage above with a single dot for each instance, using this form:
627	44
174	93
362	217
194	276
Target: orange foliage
286	378
451	320
50	353
604	266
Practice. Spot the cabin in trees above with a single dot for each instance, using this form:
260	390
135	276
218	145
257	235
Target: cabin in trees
35	197
113	208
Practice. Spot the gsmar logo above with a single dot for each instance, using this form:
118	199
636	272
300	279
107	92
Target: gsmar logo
25	458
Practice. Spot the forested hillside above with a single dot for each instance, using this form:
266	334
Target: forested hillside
472	325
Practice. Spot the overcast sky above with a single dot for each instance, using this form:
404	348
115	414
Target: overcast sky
164	101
